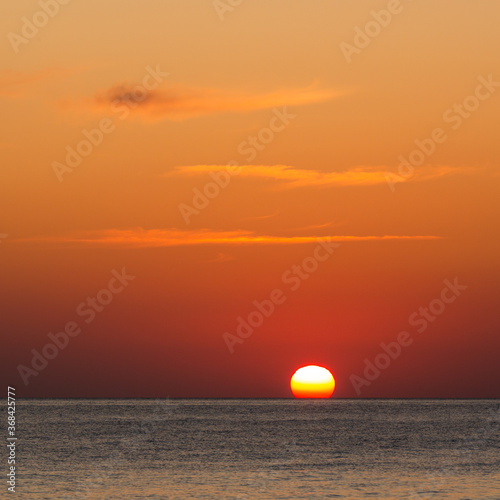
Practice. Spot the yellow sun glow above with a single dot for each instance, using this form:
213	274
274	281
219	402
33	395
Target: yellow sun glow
312	382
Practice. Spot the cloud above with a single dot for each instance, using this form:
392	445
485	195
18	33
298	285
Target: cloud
183	102
263	217
296	177
318	226
154	238
18	83
221	257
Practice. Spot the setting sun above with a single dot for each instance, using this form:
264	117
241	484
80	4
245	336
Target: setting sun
312	382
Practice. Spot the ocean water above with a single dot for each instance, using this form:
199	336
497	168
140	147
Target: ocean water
289	449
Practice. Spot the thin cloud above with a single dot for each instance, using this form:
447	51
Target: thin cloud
221	257
183	102
318	226
13	83
18	83
154	238
263	217
296	177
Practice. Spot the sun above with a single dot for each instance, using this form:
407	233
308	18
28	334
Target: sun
312	382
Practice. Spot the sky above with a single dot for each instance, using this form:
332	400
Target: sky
173	173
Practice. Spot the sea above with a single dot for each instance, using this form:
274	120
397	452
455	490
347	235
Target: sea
256	448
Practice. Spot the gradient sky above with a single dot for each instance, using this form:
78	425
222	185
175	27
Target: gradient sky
323	174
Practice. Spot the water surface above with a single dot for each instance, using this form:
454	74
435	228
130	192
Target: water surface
289	449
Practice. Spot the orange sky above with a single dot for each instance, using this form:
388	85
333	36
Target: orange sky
119	121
